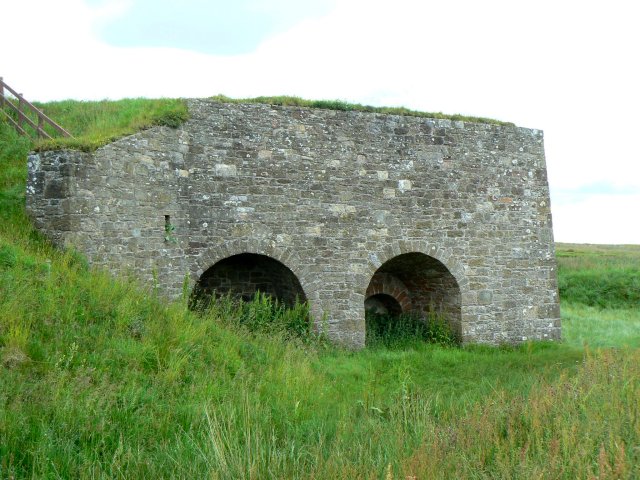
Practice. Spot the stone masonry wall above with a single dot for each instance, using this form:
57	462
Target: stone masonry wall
331	195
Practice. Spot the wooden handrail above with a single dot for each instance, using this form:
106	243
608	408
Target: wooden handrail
19	110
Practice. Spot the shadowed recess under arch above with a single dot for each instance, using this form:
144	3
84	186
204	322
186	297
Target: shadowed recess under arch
419	284
245	274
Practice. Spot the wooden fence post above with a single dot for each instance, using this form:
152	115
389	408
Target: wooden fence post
40	126
23	108
20	110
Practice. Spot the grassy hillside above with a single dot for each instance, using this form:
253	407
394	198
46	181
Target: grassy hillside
100	379
600	275
600	289
94	124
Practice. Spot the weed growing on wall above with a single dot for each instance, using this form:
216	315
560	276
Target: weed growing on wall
169	228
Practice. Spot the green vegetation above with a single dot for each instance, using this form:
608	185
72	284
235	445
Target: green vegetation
600	275
94	124
601	327
401	331
354	107
600	291
101	379
264	314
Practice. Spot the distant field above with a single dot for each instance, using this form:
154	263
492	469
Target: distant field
600	293
599	275
584	256
100	379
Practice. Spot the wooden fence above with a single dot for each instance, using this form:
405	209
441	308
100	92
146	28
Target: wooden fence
19	112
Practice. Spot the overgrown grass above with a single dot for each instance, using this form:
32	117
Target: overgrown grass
100	379
94	124
290	101
600	292
398	331
263	314
601	327
600	275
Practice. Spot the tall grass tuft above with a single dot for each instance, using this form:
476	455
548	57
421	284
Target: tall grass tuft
399	330
263	314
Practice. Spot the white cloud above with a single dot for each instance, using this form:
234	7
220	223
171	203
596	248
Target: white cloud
109	11
598	219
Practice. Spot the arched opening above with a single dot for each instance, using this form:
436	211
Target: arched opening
419	285
382	304
245	274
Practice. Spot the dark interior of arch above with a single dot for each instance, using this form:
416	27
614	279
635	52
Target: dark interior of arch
243	275
429	284
382	304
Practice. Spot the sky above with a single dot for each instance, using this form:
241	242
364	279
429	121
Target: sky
569	68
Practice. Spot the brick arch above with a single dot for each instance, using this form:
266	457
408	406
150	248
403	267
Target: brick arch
386	284
444	255
436	282
287	257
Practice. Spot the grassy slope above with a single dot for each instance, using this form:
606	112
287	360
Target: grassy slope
94	124
98	378
600	275
600	289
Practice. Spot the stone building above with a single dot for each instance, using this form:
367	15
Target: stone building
346	210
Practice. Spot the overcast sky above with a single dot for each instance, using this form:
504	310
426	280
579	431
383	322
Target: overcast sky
567	67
